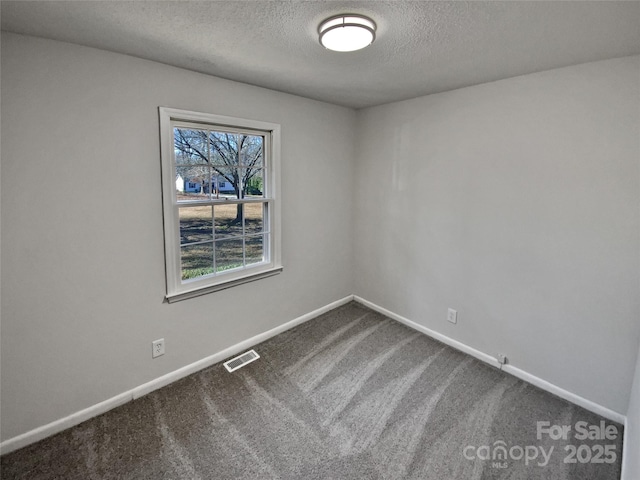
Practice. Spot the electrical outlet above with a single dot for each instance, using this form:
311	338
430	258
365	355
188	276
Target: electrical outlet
452	316
502	358
157	348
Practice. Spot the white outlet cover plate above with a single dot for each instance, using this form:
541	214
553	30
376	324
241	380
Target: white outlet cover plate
157	348
452	316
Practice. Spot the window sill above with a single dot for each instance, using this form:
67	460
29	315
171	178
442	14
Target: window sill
177	297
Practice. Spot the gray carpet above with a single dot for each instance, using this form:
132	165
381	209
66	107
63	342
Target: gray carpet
348	395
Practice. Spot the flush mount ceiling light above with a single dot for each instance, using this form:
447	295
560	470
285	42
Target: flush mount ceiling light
347	32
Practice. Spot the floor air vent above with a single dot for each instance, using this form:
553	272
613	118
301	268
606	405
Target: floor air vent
241	360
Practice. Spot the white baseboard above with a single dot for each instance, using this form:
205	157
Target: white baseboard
515	371
57	426
231	351
562	393
431	333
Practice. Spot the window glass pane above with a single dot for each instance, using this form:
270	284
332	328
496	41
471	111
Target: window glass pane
253	182
190	146
251	150
229	149
226	181
254	249
254	218
196	260
228	220
196	224
223	148
229	254
193	183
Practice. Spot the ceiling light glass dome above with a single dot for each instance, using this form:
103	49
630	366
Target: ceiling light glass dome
347	32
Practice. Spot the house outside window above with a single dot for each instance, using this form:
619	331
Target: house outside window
226	232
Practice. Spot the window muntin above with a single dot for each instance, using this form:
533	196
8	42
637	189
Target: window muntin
222	225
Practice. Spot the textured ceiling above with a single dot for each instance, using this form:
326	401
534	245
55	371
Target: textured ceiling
422	47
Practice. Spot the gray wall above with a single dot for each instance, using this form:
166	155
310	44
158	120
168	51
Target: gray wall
516	203
83	264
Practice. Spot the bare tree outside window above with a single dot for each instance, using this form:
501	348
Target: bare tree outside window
213	157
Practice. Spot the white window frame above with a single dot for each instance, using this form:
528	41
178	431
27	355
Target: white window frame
177	289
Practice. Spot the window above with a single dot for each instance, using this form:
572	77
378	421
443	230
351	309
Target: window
224	228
